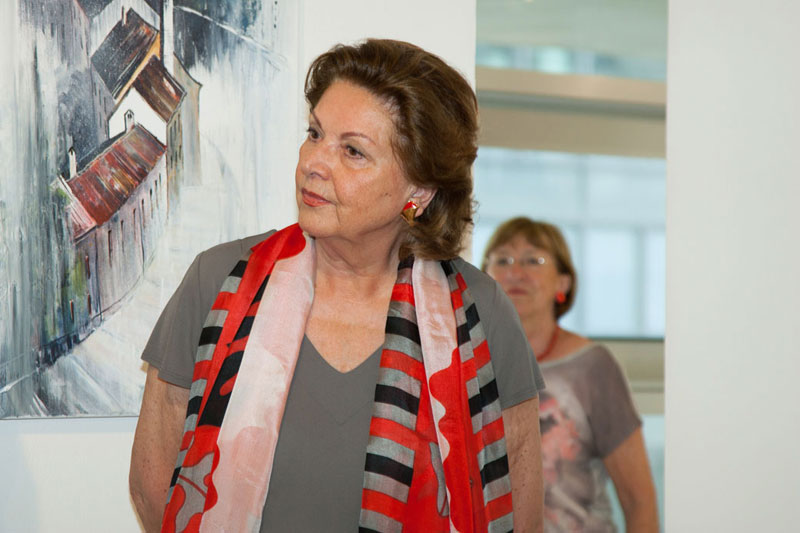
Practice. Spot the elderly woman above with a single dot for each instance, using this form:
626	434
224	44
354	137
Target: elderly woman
349	371
589	426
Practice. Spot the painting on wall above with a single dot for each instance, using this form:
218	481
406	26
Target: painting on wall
134	134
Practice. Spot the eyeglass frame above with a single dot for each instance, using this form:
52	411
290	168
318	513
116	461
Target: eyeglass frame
535	261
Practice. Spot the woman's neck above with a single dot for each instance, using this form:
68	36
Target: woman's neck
353	287
362	267
540	331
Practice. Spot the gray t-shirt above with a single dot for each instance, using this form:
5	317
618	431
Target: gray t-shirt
319	460
585	413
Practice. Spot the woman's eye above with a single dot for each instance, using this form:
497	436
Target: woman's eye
533	261
353	152
313	134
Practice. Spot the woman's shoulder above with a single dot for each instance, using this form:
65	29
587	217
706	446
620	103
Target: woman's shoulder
237	247
480	284
599	355
593	358
213	265
518	377
494	307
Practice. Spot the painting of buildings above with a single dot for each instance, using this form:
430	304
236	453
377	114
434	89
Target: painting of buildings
136	137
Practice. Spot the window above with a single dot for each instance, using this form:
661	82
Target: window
561	60
88	270
611	210
110	247
554	94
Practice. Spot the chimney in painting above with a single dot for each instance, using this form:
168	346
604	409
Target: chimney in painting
167	37
73	163
124	16
130	120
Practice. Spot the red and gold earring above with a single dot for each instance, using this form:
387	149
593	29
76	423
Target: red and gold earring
561	297
410	211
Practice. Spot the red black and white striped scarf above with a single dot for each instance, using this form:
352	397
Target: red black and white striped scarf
436	456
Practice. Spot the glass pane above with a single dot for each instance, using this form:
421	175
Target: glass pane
611	211
609	288
654	275
556	60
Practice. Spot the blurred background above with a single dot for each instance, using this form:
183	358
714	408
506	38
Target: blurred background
573	96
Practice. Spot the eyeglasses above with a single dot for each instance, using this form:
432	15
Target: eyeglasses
529	262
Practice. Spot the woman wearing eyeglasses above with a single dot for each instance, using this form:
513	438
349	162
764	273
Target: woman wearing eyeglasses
589	426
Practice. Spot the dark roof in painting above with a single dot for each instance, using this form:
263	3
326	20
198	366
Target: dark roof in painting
157	5
92	8
122	51
159	89
102	147
107	182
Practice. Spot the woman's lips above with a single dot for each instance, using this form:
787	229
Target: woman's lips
313	200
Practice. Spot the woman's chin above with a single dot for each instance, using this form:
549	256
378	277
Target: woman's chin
313	226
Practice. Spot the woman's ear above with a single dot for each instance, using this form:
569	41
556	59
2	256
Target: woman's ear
422	196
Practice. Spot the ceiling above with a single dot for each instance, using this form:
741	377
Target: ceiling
632	28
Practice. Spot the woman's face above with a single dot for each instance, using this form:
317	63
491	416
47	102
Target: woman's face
528	274
348	182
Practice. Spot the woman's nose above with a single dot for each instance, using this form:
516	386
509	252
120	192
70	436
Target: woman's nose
515	270
316	159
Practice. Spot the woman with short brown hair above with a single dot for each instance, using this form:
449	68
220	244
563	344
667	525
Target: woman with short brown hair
349	371
434	111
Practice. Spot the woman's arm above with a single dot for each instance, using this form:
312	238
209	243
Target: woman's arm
155	447
523	443
630	471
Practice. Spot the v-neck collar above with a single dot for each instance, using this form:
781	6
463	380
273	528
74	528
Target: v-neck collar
340	394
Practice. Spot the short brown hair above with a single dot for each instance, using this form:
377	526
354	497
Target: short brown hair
436	125
542	235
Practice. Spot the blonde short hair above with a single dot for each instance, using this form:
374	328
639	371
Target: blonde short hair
542	235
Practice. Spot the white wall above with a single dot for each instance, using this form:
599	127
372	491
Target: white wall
733	266
443	27
67	475
70	475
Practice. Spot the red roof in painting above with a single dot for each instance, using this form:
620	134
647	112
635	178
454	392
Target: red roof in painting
123	50
80	221
108	181
159	89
